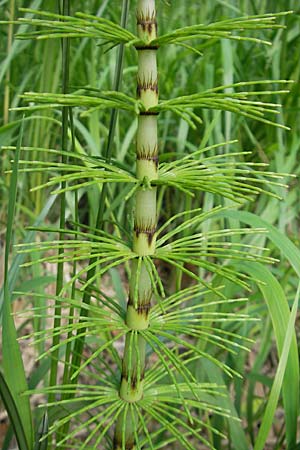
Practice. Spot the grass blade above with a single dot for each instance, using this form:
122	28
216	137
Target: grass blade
12	361
17	261
238	436
43	431
284	244
279	312
280	315
13	413
278	380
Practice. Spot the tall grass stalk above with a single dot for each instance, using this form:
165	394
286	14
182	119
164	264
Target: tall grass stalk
62	220
74	359
7	77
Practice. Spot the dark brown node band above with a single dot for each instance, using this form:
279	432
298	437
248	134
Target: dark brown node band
149	113
147	47
144	307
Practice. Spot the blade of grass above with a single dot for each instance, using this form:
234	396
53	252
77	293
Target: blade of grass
278	380
280	315
42	444
237	434
13	367
17	261
284	244
62	219
13	413
279	311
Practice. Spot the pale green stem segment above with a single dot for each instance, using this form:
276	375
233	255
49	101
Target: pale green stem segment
144	239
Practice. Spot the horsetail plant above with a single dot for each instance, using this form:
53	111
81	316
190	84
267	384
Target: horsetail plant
170	329
145	222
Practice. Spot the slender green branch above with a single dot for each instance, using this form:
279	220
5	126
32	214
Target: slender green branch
99	222
62	220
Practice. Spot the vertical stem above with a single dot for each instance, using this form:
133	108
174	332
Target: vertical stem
79	343
78	348
144	238
7	77
62	221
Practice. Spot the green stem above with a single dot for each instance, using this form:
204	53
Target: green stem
99	221
7	77
144	238
79	343
62	221
68	353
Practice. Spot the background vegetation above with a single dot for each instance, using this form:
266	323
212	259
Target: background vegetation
27	65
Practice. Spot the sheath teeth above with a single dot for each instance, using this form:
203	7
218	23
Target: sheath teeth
149	153
147	23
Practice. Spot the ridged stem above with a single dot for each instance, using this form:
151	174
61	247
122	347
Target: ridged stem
144	238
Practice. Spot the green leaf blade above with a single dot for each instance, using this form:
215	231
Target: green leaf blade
13	367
